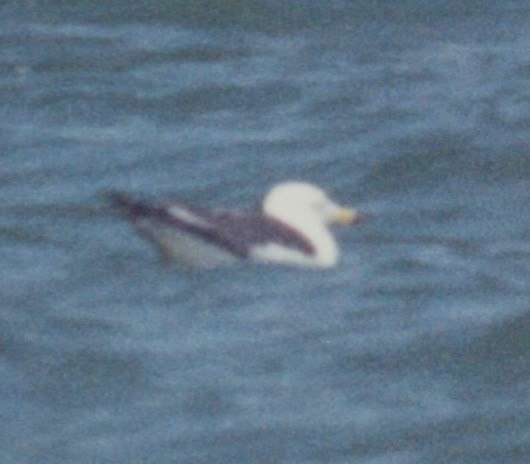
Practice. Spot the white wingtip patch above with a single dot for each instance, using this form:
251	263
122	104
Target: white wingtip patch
187	216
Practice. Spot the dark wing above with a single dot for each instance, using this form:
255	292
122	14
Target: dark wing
248	229
236	232
139	211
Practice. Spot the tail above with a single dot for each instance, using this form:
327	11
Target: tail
134	209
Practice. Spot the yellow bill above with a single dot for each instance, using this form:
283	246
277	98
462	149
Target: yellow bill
346	216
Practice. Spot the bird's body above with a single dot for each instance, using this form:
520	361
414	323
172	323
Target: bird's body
291	228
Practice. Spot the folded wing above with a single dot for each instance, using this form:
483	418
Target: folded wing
236	233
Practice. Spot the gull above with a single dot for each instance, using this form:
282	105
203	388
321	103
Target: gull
290	228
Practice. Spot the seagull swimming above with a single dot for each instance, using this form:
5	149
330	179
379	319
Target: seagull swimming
292	228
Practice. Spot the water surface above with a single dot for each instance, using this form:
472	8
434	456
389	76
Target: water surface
414	349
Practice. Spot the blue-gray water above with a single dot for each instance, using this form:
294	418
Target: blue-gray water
414	350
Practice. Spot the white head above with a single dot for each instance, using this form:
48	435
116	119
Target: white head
299	202
309	210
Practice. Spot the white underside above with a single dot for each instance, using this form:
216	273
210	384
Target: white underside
185	247
189	249
275	253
